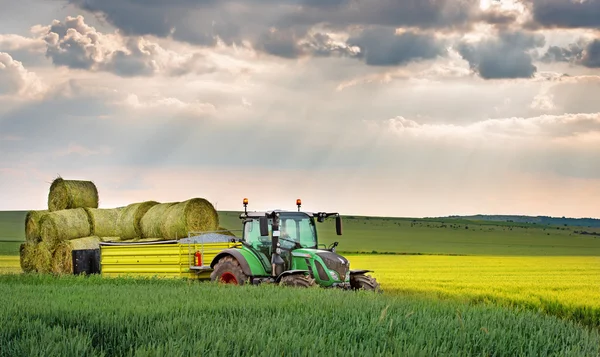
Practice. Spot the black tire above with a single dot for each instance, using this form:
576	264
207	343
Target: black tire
364	282
229	271
298	281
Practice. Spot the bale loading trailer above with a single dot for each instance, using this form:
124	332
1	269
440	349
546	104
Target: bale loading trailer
276	246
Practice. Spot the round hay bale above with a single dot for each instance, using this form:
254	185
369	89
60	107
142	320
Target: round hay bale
59	226
129	223
194	215
32	225
153	220
104	221
69	194
26	252
42	257
62	259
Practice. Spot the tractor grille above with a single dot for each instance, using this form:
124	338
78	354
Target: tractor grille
336	262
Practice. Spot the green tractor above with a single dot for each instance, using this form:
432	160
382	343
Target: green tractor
289	239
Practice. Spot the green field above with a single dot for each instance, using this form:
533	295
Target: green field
96	317
449	236
451	287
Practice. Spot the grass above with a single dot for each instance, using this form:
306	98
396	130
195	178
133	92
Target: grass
566	287
86	317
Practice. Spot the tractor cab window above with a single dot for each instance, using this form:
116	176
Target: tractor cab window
252	233
298	228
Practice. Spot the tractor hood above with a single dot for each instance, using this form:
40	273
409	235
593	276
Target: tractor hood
332	261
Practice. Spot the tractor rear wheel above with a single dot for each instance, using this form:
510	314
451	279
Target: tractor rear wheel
228	271
364	282
298	280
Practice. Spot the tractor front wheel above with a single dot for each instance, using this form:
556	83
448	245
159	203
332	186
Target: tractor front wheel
364	282
228	271
297	280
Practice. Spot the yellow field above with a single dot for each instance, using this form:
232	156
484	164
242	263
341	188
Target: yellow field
9	264
563	286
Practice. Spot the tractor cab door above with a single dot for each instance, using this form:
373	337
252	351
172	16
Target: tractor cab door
261	245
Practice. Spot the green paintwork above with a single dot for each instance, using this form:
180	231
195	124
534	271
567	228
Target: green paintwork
300	257
256	267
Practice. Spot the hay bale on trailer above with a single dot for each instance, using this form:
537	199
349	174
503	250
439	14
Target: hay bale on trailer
59	226
70	194
62	259
104	221
129	223
193	215
32	225
26	251
153	220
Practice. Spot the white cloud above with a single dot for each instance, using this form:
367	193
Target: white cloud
76	45
168	105
546	127
12	42
16	80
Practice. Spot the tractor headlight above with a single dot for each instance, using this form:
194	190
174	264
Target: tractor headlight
334	275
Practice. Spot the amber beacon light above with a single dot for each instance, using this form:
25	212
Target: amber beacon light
298	203
245	201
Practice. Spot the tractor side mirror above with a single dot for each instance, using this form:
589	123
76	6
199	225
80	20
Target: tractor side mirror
264	226
338	225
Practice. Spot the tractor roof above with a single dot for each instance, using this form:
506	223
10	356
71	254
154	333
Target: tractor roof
259	214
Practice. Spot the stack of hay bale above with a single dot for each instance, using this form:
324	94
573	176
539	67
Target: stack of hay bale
73	221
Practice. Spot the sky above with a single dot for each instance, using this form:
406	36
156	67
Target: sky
390	107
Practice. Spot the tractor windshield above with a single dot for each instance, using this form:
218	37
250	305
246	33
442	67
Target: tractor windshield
298	227
294	227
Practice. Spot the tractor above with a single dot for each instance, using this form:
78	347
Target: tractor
282	247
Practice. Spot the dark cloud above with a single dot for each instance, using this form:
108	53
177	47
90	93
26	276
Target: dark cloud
567	13
560	54
383	47
499	18
591	58
277	27
503	57
586	54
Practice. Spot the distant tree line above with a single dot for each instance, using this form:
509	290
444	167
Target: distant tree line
543	220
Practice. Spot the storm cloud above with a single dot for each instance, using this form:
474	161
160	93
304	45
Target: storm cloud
504	57
567	13
383	47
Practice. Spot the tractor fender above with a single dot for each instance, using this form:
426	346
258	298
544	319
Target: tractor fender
290	272
352	272
237	255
